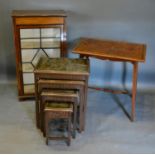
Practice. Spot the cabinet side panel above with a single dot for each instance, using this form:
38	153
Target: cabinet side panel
18	58
64	39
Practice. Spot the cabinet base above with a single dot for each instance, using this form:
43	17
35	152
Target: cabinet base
26	97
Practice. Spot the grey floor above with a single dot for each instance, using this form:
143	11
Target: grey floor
108	129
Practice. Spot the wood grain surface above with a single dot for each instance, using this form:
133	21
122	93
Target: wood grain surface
113	50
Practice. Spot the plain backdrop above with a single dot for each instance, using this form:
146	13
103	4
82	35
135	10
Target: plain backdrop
124	20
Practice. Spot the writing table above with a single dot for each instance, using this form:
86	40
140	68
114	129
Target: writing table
115	51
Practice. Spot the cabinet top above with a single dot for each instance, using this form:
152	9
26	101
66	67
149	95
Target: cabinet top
30	13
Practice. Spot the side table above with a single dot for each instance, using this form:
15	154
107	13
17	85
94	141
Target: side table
115	51
62	69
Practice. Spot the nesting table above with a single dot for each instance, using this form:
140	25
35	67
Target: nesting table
58	70
114	51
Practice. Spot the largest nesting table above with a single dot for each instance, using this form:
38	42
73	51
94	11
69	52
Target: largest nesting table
62	69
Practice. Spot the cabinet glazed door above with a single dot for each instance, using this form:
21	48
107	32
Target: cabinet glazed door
36	43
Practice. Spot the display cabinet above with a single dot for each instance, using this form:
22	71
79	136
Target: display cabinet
36	34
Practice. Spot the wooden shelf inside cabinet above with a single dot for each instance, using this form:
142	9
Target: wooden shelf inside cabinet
37	33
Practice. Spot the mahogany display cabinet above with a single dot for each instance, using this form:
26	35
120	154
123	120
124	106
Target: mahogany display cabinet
36	34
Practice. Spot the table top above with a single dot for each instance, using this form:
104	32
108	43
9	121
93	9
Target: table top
63	66
30	13
112	50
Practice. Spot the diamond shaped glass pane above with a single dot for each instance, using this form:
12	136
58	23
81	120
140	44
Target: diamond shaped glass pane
50	32
29	33
53	53
38	56
27	67
27	55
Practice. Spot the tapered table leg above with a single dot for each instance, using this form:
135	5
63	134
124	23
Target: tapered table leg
134	89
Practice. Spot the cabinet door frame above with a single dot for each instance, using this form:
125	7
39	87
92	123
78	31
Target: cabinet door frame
19	72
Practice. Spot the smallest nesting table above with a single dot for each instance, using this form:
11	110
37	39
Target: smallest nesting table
62	69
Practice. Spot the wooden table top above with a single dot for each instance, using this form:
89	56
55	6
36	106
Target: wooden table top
111	50
63	66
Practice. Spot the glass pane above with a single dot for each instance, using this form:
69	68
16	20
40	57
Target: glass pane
27	55
27	67
29	33
50	32
38	56
30	43
28	78
50	43
53	53
29	89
